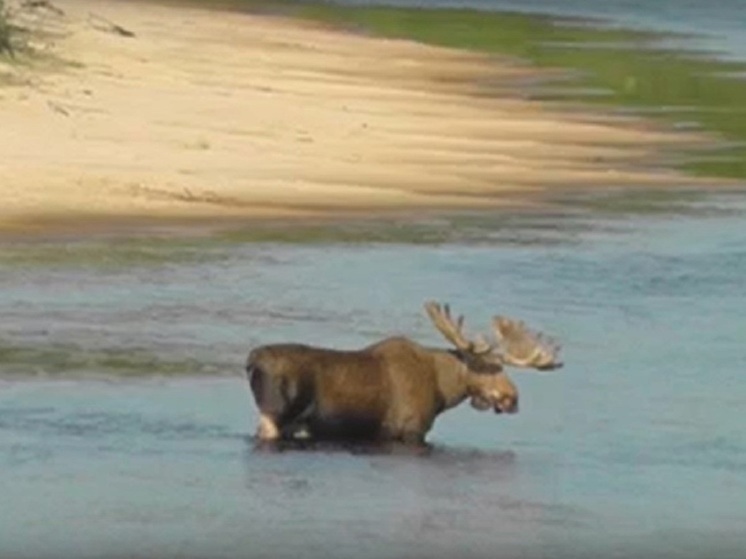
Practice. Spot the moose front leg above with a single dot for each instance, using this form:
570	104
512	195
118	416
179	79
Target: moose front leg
412	438
410	431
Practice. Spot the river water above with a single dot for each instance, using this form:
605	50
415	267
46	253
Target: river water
636	448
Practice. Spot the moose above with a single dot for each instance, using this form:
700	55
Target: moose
394	389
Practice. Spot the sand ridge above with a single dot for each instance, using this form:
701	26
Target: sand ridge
218	113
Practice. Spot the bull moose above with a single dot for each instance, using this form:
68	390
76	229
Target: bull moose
394	389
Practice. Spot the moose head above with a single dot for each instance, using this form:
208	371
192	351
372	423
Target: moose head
515	345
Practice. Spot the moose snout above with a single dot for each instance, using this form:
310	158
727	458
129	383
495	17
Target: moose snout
505	403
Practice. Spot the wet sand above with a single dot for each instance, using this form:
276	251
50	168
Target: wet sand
214	114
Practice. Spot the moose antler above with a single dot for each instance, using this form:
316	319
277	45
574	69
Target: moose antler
521	347
453	332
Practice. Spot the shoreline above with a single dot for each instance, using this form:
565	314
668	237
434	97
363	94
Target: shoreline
221	115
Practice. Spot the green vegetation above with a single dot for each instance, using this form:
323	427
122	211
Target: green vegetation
626	202
17	45
620	68
110	254
60	359
6	47
351	232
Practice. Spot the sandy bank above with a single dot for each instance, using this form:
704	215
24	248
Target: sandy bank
207	113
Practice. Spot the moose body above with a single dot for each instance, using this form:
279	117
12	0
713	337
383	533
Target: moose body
391	390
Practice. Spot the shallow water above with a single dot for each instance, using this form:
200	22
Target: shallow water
635	448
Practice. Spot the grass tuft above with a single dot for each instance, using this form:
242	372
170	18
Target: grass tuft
59	359
6	31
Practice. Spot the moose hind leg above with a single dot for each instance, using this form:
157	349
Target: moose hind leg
267	429
284	405
269	400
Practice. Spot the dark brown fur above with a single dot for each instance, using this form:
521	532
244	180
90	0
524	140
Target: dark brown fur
392	390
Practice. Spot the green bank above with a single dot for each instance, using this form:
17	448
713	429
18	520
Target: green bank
623	69
66	360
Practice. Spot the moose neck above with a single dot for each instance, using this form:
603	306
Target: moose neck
452	377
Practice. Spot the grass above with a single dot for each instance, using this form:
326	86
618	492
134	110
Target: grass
629	68
6	31
57	359
647	202
349	232
17	47
110	254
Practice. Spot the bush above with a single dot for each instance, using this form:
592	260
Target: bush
5	31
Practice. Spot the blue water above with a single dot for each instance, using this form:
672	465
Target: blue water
635	449
719	25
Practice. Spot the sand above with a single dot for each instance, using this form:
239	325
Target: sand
216	114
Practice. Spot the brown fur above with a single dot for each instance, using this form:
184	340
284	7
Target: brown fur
392	390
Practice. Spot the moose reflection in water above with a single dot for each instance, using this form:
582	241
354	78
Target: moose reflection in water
392	390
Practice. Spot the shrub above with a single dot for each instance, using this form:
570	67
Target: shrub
6	47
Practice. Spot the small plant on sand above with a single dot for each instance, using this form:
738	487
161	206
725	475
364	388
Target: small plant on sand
9	33
6	47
